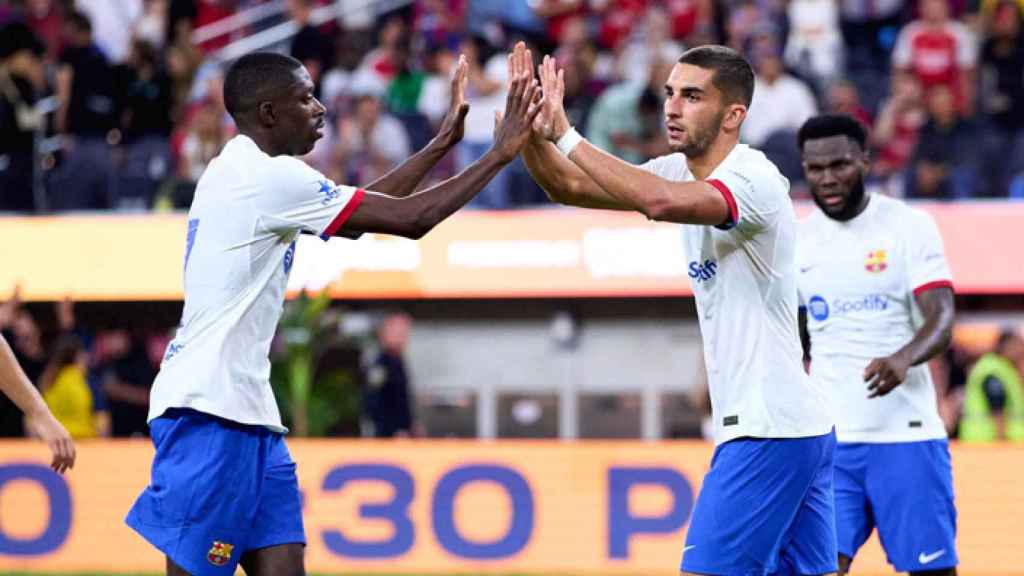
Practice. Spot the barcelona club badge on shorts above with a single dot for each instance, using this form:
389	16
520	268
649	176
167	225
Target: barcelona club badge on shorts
219	553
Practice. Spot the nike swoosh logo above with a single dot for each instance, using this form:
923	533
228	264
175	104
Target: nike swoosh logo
927	558
806	270
685	548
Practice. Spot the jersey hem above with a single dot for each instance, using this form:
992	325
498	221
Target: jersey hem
206	409
875	438
772	434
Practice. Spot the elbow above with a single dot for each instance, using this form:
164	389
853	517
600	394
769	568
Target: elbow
419	227
417	232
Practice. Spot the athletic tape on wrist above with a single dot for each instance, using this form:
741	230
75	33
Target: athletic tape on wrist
569	141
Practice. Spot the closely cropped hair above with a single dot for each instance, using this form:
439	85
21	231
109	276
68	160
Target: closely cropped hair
828	125
251	78
733	77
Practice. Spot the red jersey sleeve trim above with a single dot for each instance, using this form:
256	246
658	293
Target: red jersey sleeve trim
345	214
734	213
933	285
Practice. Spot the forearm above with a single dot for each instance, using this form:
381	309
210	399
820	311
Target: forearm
938	308
440	201
415	215
407	176
16	385
931	340
562	180
637	189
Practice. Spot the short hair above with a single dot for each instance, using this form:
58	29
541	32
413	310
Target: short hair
829	125
733	76
256	77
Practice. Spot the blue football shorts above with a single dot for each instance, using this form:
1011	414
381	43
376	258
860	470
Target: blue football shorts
905	490
218	489
765	507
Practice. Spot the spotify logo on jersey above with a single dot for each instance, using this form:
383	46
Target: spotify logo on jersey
817	307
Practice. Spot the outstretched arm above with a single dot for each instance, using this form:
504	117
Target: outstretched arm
407	176
562	180
624	185
415	215
16	386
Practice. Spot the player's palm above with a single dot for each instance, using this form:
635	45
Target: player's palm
522	106
552	121
514	127
454	124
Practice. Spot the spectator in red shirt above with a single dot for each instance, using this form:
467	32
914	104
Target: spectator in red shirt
558	14
687	16
939	51
46	19
897	126
843	98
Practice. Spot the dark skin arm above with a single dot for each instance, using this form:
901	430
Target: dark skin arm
415	215
404	178
932	339
805	335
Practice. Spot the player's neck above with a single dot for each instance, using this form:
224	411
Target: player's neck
262	141
702	166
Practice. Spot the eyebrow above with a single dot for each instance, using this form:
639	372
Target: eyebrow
828	161
688	89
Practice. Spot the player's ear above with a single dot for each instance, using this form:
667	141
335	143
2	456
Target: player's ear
734	116
865	160
265	112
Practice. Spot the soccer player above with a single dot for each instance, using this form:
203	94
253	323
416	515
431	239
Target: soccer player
223	489
877	301
766	503
16	386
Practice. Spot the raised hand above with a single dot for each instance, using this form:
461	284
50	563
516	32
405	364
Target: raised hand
454	123
522	106
552	122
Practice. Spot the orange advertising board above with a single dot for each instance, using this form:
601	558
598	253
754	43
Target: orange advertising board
546	253
458	507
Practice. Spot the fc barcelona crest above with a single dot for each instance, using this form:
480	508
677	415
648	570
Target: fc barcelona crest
876	261
219	553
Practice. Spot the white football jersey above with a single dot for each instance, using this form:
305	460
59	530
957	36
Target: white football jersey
248	210
744	282
858	280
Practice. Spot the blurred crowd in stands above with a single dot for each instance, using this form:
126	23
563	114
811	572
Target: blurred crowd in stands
117	105
97	380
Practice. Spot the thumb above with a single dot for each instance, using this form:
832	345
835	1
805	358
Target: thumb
497	118
463	110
